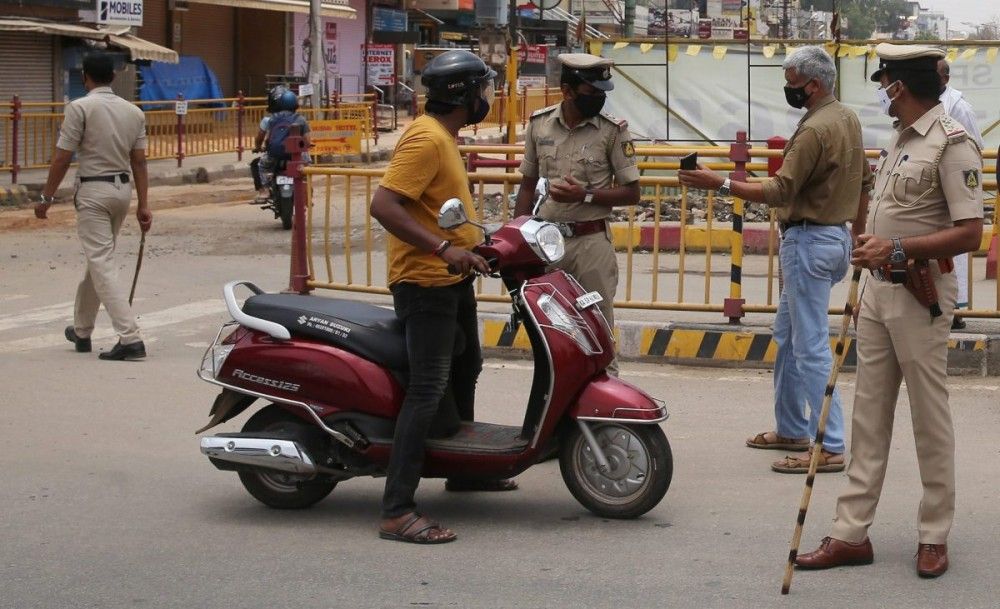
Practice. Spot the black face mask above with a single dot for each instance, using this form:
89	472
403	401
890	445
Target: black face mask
797	96
589	105
479	112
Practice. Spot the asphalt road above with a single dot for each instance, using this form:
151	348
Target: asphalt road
106	501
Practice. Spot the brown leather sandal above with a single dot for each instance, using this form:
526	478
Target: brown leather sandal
799	464
779	443
417	529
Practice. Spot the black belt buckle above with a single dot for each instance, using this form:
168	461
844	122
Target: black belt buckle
897	276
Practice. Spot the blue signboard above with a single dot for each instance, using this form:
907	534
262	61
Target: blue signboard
388	19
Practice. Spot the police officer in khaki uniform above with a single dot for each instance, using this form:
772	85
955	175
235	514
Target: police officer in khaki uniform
589	159
927	206
108	135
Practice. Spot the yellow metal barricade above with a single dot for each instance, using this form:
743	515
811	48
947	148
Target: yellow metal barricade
347	251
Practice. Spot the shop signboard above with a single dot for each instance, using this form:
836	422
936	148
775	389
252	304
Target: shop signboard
381	63
335	137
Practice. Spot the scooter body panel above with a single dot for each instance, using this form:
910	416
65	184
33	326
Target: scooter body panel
609	398
328	379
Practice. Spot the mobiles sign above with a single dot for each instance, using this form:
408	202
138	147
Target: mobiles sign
119	12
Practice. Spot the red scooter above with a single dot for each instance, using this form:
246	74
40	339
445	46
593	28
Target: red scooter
335	373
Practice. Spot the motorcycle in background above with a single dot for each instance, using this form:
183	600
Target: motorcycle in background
279	191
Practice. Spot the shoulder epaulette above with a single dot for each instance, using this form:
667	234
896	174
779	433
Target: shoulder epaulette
953	129
544	111
621	122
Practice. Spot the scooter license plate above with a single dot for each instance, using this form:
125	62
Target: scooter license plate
285	180
588	300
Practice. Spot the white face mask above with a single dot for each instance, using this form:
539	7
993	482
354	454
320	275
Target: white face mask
884	101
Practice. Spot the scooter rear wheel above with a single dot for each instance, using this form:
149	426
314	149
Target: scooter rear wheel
640	468
277	489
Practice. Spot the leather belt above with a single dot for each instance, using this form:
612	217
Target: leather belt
579	229
787	225
122	177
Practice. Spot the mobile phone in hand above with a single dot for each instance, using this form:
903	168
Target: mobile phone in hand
690	161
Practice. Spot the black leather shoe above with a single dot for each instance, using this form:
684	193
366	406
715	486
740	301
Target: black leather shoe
957	323
125	352
82	344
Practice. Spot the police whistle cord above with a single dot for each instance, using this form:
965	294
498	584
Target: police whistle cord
138	265
840	352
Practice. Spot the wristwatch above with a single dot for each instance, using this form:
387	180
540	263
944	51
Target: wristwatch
898	256
47	199
588	197
724	190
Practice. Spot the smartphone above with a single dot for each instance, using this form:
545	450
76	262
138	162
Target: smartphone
690	161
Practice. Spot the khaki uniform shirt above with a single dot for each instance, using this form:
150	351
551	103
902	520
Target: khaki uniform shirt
824	170
102	129
929	177
596	153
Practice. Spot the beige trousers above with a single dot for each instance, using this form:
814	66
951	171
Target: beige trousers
591	260
101	208
897	340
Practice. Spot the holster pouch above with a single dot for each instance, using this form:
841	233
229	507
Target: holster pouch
920	282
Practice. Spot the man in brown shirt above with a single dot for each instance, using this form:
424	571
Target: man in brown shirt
821	185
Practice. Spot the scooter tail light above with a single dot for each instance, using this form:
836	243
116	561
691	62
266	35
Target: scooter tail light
566	322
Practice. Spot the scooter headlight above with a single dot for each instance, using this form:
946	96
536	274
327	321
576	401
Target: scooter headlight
545	240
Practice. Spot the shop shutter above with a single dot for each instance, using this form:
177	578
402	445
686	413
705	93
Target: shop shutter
26	69
154	22
210	33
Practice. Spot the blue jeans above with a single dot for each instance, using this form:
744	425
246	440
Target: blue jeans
813	258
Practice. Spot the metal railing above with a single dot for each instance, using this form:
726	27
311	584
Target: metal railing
29	130
342	249
528	100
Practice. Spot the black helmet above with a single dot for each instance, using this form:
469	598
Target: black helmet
456	77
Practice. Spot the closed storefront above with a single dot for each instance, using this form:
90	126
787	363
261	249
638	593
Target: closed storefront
155	22
27	67
209	32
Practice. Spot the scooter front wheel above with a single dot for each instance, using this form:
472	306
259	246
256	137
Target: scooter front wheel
640	468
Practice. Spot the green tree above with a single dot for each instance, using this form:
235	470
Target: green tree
926	35
859	18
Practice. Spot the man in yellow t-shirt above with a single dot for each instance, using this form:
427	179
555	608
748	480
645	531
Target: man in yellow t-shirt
437	307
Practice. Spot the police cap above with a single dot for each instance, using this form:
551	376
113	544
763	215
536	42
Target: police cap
912	57
591	69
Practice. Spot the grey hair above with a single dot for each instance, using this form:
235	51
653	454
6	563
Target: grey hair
813	62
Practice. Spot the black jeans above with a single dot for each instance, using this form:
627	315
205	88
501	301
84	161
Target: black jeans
442	386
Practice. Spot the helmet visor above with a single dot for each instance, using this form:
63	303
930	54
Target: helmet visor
487	91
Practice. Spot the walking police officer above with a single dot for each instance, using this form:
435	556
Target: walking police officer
589	158
108	135
927	206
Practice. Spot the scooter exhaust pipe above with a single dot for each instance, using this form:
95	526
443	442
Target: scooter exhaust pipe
281	455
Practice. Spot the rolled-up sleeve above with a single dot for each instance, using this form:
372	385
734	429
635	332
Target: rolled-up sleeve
529	163
71	131
801	157
140	141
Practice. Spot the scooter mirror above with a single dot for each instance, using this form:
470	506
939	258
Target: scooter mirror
541	194
542	187
452	214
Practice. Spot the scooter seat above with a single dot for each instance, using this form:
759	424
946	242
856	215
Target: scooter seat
372	332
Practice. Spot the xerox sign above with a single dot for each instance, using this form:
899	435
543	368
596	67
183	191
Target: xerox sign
119	12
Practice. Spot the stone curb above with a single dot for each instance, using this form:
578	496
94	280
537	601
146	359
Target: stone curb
13	195
725	346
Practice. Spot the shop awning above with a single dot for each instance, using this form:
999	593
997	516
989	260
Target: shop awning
329	8
143	49
114	36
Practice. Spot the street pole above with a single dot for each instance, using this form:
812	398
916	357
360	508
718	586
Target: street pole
315	51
